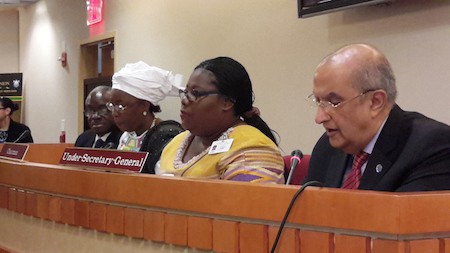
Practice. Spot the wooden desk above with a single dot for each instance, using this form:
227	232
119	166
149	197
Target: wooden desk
45	153
222	216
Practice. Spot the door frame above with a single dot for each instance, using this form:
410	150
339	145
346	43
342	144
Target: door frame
88	68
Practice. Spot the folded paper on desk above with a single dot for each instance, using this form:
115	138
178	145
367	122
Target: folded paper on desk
106	159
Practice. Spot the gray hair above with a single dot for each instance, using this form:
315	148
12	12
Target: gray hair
375	74
373	70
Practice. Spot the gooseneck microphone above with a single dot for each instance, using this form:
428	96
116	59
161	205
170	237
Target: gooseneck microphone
296	158
288	211
22	136
109	145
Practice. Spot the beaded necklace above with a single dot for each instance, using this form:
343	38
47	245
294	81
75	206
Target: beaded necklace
178	161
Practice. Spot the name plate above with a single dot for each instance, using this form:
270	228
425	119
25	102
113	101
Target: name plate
14	150
104	158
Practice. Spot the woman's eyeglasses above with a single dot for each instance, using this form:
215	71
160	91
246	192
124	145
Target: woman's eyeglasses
194	95
116	108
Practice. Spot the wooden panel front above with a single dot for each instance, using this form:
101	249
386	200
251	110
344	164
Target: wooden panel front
226	216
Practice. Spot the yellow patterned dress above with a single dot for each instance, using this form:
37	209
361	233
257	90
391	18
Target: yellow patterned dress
252	157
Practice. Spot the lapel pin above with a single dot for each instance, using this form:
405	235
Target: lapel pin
379	168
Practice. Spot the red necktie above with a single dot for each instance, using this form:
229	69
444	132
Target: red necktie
353	178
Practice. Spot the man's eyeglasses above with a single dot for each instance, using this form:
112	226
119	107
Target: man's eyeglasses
116	108
194	95
100	112
312	100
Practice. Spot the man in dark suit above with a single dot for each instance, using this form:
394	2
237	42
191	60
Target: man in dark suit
103	132
354	91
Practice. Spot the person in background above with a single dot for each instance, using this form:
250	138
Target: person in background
103	132
137	90
225	137
370	143
11	131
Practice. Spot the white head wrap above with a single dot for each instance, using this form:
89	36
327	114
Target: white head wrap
146	82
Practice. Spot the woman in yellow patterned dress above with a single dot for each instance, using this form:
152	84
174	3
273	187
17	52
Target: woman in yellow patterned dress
225	137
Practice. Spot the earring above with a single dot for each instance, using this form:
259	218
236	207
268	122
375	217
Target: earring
144	113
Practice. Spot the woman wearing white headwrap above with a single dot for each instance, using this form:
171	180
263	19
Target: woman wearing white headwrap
137	90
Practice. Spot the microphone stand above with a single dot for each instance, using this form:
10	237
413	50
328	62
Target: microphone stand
293	166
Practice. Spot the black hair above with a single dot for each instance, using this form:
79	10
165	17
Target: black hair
155	108
8	103
233	81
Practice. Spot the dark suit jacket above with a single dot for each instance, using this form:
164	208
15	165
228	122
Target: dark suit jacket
17	132
412	153
87	138
155	140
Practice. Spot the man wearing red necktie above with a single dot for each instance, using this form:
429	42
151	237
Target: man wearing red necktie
370	142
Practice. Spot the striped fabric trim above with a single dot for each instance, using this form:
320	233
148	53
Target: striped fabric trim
253	165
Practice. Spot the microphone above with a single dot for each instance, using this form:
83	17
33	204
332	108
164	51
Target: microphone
109	145
22	136
296	158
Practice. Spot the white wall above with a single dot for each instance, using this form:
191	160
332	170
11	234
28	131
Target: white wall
279	50
9	41
51	91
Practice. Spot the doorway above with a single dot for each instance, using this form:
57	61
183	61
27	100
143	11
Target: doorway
96	68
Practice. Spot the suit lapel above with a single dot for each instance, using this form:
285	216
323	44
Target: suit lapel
386	150
336	170
90	143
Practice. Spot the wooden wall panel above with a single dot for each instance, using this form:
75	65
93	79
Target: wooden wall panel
175	229
115	219
349	243
154	228
225	236
31	204
54	209
424	246
445	245
289	241
388	246
12	199
97	216
316	242
3	197
253	238
42	207
134	222
200	233
20	201
68	211
81	215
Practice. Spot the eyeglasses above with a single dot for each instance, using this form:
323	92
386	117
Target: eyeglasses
2	108
328	104
100	112
194	95
116	108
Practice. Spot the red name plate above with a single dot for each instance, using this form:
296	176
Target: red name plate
104	158
14	150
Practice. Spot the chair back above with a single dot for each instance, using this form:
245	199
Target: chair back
300	170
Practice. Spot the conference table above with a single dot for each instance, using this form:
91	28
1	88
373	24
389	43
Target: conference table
48	207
